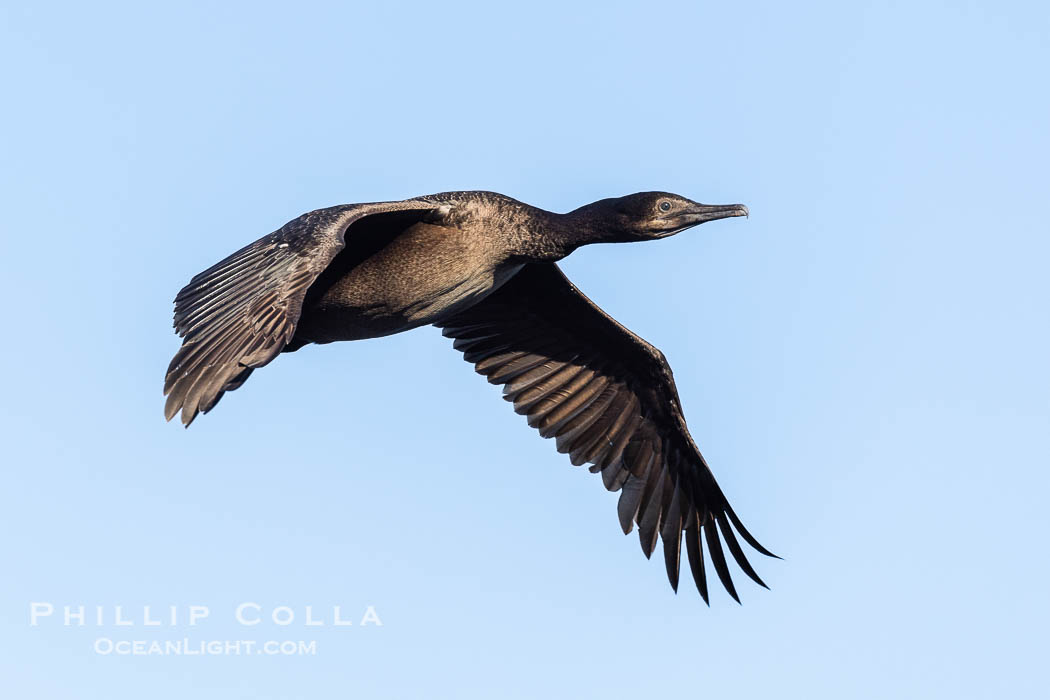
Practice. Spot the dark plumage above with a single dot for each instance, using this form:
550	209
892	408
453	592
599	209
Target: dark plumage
480	266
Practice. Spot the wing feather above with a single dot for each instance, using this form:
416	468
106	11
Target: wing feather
608	399
240	313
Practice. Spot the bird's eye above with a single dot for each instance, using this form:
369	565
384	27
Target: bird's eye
665	206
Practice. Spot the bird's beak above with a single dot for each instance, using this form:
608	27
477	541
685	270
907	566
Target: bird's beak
697	214
700	213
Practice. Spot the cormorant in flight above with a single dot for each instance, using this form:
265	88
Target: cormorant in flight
483	267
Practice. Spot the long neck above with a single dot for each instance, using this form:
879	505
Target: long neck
548	237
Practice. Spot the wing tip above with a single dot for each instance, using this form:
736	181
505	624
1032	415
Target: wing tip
736	550
718	558
748	537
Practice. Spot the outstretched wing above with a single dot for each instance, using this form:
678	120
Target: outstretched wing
609	399
241	312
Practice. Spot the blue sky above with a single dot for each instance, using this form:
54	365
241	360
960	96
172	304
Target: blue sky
863	361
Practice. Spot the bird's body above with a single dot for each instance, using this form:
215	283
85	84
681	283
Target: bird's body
386	281
482	267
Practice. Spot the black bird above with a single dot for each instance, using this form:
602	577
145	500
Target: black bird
482	267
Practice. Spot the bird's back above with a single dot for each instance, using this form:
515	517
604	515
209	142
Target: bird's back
390	278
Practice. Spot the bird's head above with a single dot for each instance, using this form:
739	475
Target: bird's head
650	215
